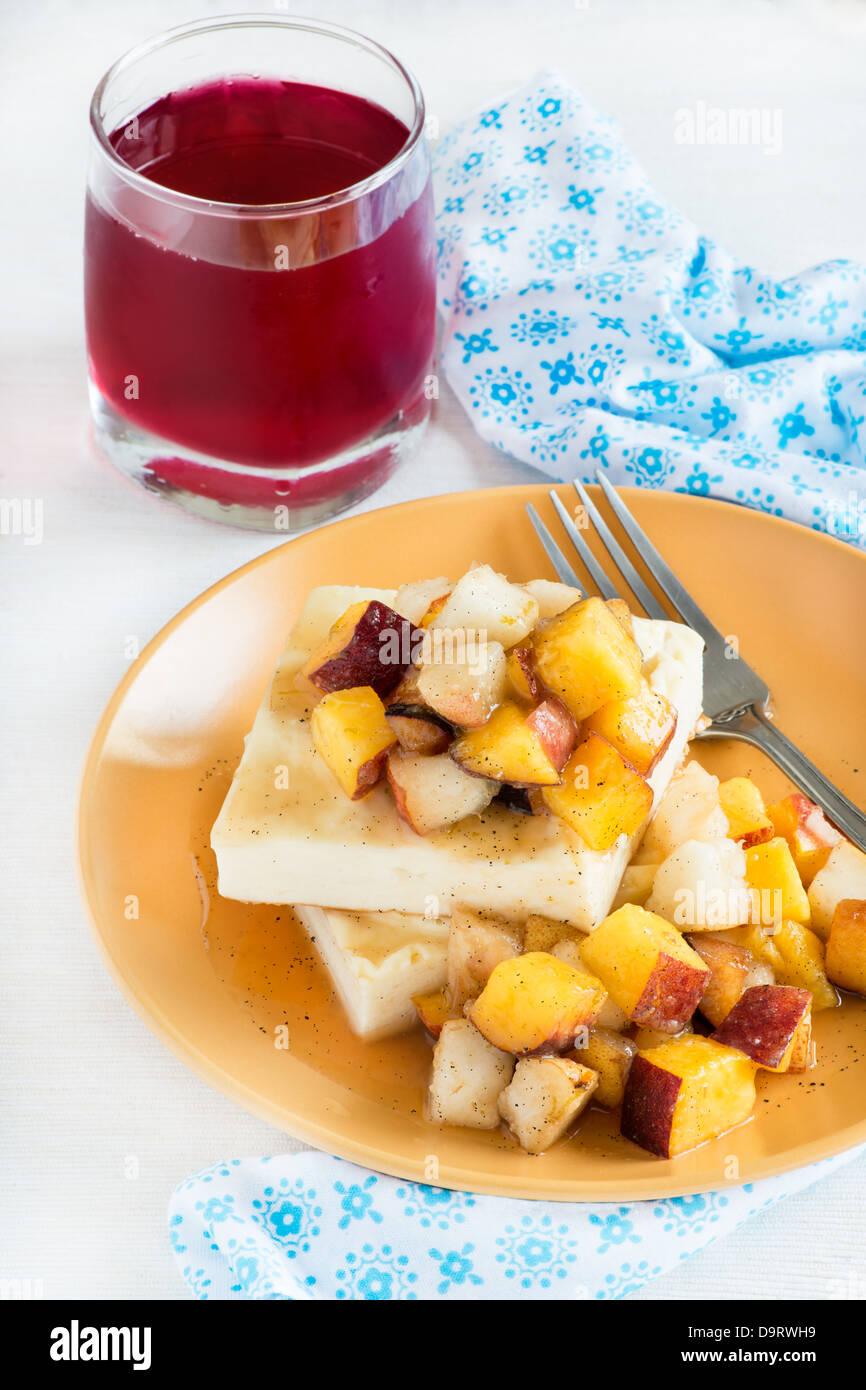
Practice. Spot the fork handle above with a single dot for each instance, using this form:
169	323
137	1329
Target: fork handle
753	727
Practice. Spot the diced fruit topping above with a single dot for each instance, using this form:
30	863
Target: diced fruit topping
733	970
432	792
542	933
552	597
554	714
794	954
522	675
843	876
352	736
601	796
586	658
640	726
803	1053
648	968
621	611
611	1016
433	1010
370	644
809	834
648	1038
517	799
468	1077
567	948
407	692
419	729
509	748
846	945
635	885
485	603
476	945
768	1023
801	963
535	1001
434	610
702	886
544	1097
464	691
770	869
414	600
610	1056
685	1092
555	730
743	805
689	810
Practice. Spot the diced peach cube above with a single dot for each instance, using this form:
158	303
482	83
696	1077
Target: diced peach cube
733	969
807	830
639	726
536	1001
370	644
508	748
843	876
743	805
846	947
586	658
600	795
352	736
685	1092
770	870
648	968
768	1023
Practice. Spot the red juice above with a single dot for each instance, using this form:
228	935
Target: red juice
272	341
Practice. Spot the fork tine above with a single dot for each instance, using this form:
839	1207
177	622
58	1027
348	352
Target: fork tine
594	569
644	595
660	571
554	554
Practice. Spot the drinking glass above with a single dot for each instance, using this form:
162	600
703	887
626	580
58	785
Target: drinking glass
259	268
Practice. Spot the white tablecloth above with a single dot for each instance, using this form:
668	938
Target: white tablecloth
99	1120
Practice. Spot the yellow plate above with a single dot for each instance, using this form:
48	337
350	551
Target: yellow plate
214	979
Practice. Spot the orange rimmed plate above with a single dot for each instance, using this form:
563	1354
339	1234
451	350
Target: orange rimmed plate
226	984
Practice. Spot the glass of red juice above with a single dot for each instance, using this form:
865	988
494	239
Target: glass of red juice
259	268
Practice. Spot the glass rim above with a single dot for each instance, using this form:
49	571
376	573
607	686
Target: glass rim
191	202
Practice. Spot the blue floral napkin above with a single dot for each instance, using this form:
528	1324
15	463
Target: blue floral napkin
306	1226
589	325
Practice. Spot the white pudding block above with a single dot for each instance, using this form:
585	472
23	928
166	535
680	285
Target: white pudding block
378	961
287	833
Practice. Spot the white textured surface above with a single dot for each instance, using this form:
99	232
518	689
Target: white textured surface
99	1120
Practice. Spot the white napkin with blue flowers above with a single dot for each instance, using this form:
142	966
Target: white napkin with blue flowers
589	325
307	1226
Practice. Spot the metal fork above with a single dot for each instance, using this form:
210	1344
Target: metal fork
735	697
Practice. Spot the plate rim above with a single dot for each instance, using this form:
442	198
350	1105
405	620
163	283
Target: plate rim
289	1121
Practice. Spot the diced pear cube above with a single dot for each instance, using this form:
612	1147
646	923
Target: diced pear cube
544	1097
468	1077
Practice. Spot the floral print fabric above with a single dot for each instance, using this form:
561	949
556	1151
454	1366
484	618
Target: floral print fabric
307	1226
589	325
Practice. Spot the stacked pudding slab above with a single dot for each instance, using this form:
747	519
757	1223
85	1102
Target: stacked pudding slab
288	834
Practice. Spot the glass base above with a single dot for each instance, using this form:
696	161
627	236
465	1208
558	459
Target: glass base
260	499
